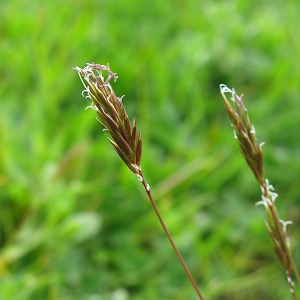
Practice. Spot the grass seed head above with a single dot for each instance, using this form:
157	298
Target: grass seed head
244	132
112	114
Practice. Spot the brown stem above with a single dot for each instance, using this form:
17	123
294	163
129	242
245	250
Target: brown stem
188	273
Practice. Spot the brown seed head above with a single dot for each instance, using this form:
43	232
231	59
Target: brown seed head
244	132
112	114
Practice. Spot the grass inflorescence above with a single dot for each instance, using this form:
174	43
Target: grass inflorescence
245	134
123	136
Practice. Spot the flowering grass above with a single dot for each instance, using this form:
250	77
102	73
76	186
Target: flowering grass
64	225
244	133
124	137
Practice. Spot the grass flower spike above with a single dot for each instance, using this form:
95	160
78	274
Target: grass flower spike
112	114
245	134
124	137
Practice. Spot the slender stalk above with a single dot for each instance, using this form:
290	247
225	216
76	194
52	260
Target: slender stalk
186	269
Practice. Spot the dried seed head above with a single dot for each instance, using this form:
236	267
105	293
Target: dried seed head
112	114
244	132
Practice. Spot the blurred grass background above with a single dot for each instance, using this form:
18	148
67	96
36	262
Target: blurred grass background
74	222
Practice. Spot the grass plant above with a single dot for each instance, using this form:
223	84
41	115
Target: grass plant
124	137
244	133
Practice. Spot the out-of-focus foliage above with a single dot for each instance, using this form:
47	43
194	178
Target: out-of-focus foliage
74	222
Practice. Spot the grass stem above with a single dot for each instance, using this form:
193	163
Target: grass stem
186	269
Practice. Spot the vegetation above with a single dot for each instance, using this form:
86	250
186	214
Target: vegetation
245	134
74	222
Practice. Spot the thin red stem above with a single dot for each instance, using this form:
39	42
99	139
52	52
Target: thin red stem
188	273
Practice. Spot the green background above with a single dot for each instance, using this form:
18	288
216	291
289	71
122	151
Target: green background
75	223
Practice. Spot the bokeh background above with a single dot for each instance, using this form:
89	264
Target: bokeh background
74	221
